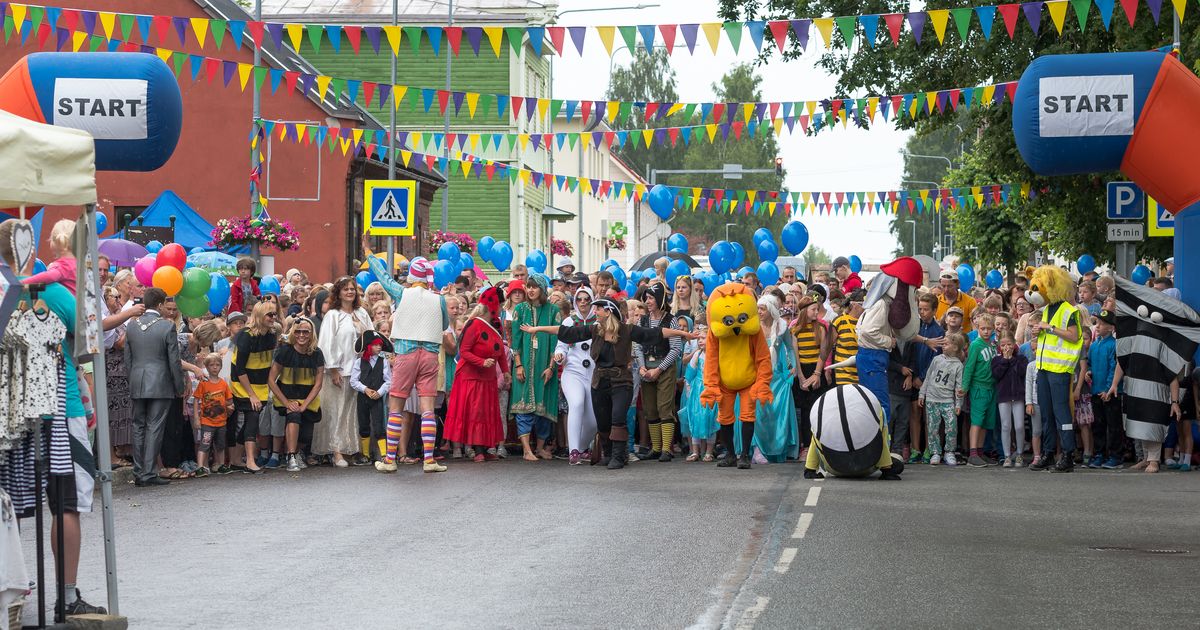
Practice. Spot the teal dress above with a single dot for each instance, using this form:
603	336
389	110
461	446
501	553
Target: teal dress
695	420
775	423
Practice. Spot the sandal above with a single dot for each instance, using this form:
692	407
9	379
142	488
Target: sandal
708	458
175	474
693	457
408	461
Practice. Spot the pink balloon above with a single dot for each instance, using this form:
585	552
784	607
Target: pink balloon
143	270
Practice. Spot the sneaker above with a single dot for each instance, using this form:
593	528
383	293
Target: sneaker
574	459
293	463
469	453
261	460
434	467
935	459
301	459
80	607
976	461
666	456
1112	463
1064	465
915	458
1097	461
1008	462
951	460
991	461
224	469
633	457
272	462
202	471
1185	467
501	452
479	459
457	454
1171	464
1018	462
385	467
562	453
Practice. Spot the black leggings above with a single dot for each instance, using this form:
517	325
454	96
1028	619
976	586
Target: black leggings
610	403
805	399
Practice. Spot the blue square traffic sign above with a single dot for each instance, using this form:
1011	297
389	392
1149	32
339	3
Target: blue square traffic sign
390	207
1126	202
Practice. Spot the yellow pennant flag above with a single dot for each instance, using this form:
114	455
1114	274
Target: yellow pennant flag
810	107
584	139
695	200
300	129
393	36
712	31
244	70
989	91
648	136
845	117
872	105
495	35
747	111
345	144
398	92
912	109
525	176
750	196
675	109
414	138
77	39
295	33
357	134
200	28
606	34
586	184
472	99
924	195
466	168
825	27
542	105
523	140
323	85
108	21
977	194
406	156
771	207
164	54
711	130
930	102
1058	13
939	18
612	108
1180	7
1025	190
18	15
777	124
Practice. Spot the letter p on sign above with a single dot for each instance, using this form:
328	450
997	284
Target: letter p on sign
1126	202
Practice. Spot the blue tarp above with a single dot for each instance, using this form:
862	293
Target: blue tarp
191	230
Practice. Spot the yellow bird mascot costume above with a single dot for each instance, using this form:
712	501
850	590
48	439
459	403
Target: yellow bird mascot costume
737	363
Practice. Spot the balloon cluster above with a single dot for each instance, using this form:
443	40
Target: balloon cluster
768	252
499	253
167	270
451	262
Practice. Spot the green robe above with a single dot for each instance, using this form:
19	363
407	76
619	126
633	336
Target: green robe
535	396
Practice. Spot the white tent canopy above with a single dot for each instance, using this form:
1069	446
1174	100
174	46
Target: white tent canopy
44	165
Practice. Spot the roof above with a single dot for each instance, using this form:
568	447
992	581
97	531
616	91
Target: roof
410	11
191	229
44	164
624	166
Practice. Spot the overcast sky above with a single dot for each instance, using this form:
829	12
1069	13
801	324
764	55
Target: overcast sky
844	159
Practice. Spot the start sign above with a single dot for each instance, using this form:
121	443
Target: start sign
109	109
1100	105
390	207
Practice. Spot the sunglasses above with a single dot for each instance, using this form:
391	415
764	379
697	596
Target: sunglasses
583	298
301	332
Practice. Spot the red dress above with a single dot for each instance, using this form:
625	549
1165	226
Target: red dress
473	413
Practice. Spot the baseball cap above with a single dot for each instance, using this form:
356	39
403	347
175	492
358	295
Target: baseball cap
948	275
840	261
579	278
235	316
1108	317
954	310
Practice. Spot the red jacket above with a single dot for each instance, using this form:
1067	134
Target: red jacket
236	303
851	283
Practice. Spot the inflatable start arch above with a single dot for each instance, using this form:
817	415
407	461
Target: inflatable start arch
1135	112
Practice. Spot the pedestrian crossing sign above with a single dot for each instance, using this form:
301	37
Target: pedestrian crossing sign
1162	222
390	207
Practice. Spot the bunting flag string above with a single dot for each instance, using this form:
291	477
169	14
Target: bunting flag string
372	143
723	119
781	33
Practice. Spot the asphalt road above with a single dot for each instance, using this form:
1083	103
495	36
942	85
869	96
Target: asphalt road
519	545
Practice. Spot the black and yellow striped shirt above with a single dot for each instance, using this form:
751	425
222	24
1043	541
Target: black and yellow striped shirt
252	357
846	329
808	349
298	374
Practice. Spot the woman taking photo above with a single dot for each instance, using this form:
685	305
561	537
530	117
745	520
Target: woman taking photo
252	356
535	380
295	380
612	381
344	321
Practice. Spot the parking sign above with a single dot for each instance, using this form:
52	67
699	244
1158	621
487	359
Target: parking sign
1126	202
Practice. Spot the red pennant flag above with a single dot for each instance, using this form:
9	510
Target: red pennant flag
443	98
211	68
894	22
454	36
490	169
897	99
604	186
954	94
609	137
70	19
1131	7
1010	89
556	37
44	34
673	132
1010	12
430	160
717	111
804	123
841	197
779	30
825	198
256	33
650	109
290	77
162	27
774	108
585	110
368	91
354	34
836	104
737	127
516	102
718	194
668	35
450	139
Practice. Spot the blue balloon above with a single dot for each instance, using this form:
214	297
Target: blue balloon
795	237
739	254
768	250
619	276
101	222
218	293
760	235
449	251
994	279
196	250
364	278
153	247
711	282
1140	274
269	286
741	273
466	262
485	248
768	273
629	288
720	256
966	276
189	264
856	264
661	200
502	255
536	261
611	262
677	243
38	266
1086	264
675	269
443	273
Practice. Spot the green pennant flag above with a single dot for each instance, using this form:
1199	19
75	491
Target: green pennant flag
35	18
741	195
96	43
962	20
697	134
512	140
336	87
454	167
629	34
623	111
315	33
555	107
795	198
688	111
413	35
516	36
920	100
512	175
217	27
860	109
573	183
829	119
635	138
733	30
8	27
572	139
485	103
127	26
846	25
260	75
1082	7
178	59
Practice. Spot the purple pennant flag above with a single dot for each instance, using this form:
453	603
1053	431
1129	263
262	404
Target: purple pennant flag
998	97
530	108
759	110
458	101
474	37
373	34
724	131
63	36
306	82
180	25
597	137
943	99
536	139
1033	13
1155	8
730	112
660	137
916	21
401	138
149	50
689	36
89	21
275	29
578	33
790	121
663	108
800	28
229	68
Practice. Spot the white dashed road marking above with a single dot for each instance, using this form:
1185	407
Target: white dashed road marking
752	613
814	493
802	525
785	560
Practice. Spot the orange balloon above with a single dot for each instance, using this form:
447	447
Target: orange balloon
168	279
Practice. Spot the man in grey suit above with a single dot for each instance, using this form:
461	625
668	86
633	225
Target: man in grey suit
156	380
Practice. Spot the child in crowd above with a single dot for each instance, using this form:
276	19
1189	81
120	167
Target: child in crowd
1083	398
244	292
1108	434
212	402
1106	288
942	399
1031	403
698	422
952	321
371	377
1087	298
979	385
62	268
1004	324
845	334
1008	368
931	333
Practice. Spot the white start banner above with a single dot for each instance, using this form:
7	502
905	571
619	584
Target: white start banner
1099	105
109	109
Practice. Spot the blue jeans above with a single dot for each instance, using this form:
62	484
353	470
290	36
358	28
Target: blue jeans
532	423
1054	400
872	374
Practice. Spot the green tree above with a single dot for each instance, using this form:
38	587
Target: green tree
927	161
649	78
1069	210
814	255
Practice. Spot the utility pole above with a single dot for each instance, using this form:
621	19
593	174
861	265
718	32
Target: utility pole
391	163
255	163
446	130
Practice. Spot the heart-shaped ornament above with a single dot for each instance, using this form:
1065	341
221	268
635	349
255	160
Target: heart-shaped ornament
22	244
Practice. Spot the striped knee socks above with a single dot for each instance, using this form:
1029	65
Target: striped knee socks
428	434
668	435
655	436
395	423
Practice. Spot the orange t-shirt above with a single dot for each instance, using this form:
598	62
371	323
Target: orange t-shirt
213	398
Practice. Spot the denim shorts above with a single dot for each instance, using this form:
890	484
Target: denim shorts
528	423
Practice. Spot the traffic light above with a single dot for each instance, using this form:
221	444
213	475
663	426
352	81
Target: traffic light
779	166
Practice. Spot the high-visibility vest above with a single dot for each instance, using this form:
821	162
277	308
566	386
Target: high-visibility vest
1056	354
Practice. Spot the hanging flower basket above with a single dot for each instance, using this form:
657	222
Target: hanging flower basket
464	241
559	247
615	242
266	233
